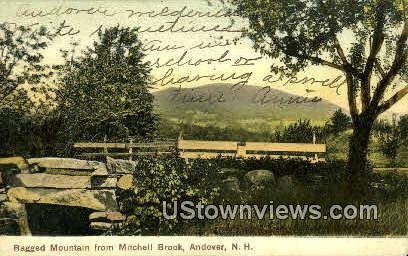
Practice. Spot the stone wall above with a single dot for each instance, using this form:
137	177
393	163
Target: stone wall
58	181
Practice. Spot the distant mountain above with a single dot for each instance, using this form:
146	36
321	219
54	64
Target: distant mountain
226	103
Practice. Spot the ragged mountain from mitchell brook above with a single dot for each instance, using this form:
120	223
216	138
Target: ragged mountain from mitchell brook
225	103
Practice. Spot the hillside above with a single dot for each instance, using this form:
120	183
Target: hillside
223	104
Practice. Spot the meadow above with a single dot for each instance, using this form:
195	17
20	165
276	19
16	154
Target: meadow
295	182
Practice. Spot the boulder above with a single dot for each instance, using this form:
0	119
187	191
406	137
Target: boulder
230	190
101	225
9	227
115	217
260	177
23	195
3	198
231	185
97	216
227	172
99	169
42	180
17	161
120	166
17	212
98	182
126	182
99	200
289	189
107	217
62	163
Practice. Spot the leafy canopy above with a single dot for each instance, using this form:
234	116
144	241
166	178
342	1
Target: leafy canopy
303	32
105	90
21	61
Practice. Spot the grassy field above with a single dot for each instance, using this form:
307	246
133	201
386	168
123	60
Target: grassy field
392	221
321	184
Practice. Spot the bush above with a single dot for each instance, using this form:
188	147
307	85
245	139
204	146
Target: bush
299	132
168	179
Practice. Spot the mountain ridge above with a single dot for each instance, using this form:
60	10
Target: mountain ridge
228	103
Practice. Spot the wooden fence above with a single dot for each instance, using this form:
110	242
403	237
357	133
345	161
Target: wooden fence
191	149
129	149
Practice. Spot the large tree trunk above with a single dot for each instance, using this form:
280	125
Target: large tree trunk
357	158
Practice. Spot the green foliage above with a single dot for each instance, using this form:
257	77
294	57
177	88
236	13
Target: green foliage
105	90
13	131
339	122
20	62
169	179
392	136
389	143
232	132
28	134
299	132
21	72
299	32
403	129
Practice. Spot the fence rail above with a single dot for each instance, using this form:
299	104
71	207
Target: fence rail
153	148
202	149
191	149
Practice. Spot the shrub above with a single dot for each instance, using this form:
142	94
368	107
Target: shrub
299	132
168	179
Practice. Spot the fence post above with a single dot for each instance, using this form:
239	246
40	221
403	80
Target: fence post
316	158
130	149
105	148
241	150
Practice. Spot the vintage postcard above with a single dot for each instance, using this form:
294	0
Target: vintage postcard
203	127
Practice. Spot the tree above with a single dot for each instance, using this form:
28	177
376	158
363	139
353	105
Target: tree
21	70
20	61
104	91
309	32
403	129
391	139
339	122
389	144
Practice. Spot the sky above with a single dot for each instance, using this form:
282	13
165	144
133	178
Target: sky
136	13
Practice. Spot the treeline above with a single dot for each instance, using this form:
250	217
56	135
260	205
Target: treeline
391	136
300	131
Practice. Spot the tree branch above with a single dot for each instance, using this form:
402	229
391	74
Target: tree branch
391	101
316	60
347	67
379	68
350	71
401	53
325	62
377	42
340	51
